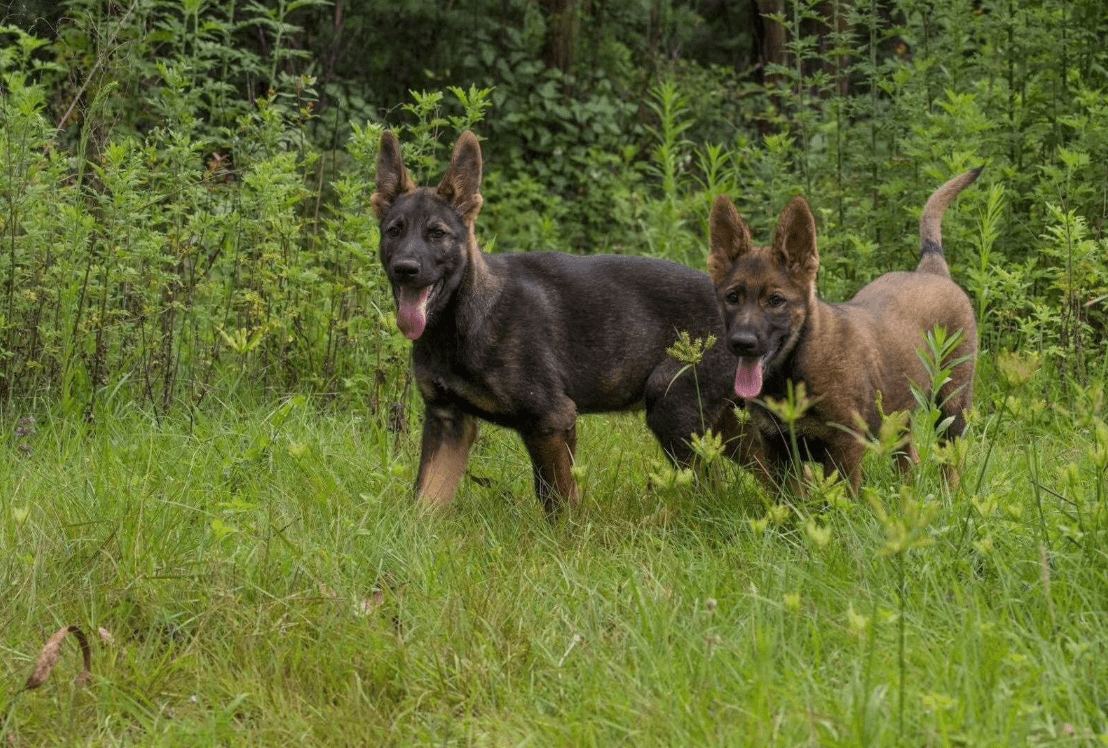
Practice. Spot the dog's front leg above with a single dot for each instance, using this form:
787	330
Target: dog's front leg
906	459
744	444
448	434
552	454
845	455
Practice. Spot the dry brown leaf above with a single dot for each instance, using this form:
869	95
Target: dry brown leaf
371	604
53	650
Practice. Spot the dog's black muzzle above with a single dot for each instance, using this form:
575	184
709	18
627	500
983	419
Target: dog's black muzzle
407	272
745	344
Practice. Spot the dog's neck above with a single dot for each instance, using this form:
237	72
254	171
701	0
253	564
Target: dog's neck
479	290
819	317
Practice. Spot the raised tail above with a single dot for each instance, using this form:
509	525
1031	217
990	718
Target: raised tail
931	223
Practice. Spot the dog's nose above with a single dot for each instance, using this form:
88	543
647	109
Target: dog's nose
405	268
743	343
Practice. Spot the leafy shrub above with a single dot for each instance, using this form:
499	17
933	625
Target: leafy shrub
208	215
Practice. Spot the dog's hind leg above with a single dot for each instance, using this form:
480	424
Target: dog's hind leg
448	435
552	455
674	411
907	458
844	453
551	440
674	437
956	411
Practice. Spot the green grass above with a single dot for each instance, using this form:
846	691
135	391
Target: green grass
266	580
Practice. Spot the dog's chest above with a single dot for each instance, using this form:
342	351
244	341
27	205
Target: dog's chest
812	433
817	425
441	381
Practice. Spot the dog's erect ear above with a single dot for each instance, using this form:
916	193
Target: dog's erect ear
730	238
795	239
461	184
392	177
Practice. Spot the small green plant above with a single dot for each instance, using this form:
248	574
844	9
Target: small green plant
790	410
1079	278
690	352
669	157
983	286
906	530
928	422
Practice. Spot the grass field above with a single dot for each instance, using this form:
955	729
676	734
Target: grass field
257	575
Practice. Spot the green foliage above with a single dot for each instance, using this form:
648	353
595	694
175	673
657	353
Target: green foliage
572	142
195	248
209	214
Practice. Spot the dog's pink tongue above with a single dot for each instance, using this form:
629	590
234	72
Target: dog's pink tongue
411	317
748	378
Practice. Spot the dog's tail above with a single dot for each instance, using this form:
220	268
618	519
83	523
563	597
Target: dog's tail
931	223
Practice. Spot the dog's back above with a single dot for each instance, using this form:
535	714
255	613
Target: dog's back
595	330
607	321
905	304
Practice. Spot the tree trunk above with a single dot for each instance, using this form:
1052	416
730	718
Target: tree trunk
770	43
561	39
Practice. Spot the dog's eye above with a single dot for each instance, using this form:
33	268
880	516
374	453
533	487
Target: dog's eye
776	300
732	297
435	233
393	231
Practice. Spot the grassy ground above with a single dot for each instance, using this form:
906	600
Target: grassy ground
265	580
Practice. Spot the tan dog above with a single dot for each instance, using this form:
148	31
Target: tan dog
856	359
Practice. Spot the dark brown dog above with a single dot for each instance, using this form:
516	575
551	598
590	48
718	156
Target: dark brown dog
856	359
531	340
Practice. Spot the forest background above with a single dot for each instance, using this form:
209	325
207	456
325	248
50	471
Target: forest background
208	413
208	166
